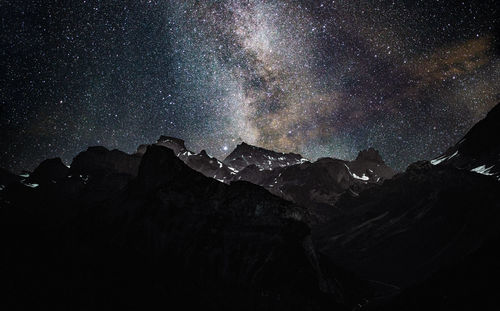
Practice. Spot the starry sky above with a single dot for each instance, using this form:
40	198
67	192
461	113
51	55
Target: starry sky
322	78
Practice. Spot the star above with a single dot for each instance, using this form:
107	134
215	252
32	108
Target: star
320	78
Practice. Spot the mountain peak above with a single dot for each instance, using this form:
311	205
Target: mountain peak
174	143
204	153
244	155
371	155
164	138
244	146
50	169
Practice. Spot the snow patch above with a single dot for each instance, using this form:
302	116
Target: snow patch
453	155
483	170
29	185
364	177
440	159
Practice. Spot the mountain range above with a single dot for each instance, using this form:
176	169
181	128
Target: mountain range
166	227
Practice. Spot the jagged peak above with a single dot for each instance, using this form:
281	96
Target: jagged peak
49	169
370	154
243	146
204	153
171	139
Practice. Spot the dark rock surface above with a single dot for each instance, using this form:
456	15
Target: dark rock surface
317	185
402	231
471	283
7	178
98	161
49	170
200	162
171	238
479	150
177	145
428	237
369	163
209	166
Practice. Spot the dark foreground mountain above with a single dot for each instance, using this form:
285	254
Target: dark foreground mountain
168	238
402	231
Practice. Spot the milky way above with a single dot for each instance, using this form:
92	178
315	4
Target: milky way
322	78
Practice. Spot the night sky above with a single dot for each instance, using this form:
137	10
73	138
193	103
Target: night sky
322	78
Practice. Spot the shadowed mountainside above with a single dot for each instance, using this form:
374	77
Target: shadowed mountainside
168	237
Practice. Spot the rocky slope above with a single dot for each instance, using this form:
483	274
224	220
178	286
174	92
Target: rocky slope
318	185
245	155
109	235
315	186
479	150
420	232
370	166
201	162
402	230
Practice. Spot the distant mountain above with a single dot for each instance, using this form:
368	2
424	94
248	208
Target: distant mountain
479	150
288	175
369	165
201	162
316	185
245	155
